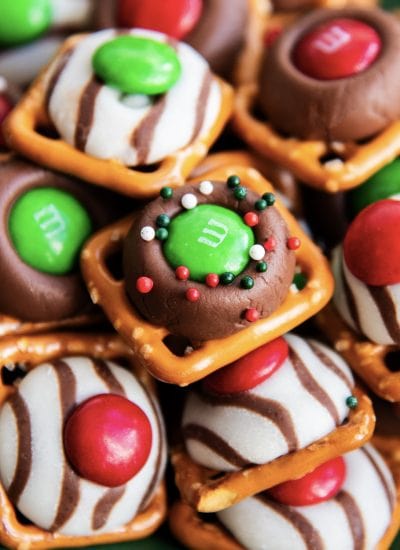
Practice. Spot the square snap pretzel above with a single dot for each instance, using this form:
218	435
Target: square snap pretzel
148	341
305	158
366	358
32	351
196	533
211	491
21	132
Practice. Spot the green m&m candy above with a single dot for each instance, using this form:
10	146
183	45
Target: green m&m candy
48	227
137	65
208	239
382	185
23	20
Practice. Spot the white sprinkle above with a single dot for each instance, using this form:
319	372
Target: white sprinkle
147	233
189	201
257	252
206	187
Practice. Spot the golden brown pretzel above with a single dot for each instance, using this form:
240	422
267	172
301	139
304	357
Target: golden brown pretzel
11	325
364	357
21	132
32	351
147	340
198	534
211	491
305	158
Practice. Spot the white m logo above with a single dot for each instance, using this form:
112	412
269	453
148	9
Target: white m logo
216	236
50	221
332	40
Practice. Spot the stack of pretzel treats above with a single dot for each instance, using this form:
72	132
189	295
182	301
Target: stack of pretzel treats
200	274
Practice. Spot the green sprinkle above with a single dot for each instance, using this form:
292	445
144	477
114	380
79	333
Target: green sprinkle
166	192
162	234
261	204
261	267
226	278
300	280
240	193
233	181
352	402
163	220
269	198
247	282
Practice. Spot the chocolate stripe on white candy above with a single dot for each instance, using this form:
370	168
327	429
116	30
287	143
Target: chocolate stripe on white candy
373	311
286	410
107	128
49	392
356	519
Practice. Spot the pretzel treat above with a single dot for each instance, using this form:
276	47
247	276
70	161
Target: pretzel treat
133	134
299	399
364	511
322	148
62	464
153	345
45	218
227	35
292	393
366	297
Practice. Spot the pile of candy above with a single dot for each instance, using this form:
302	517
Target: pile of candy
200	262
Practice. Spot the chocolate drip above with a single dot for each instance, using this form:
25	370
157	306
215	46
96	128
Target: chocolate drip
268	408
215	443
354	518
327	361
388	491
312	386
104	506
56	76
387	309
310	535
351	302
142	136
104	372
201	105
69	497
85	116
24	460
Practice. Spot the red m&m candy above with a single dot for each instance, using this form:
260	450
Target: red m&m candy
250	370
372	244
107	439
173	17
338	48
319	485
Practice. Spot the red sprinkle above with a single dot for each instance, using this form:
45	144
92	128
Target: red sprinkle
270	244
293	243
271	35
251	315
192	294
250	219
182	273
144	285
212	280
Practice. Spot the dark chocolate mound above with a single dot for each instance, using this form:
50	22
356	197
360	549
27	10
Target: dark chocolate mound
219	311
343	109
